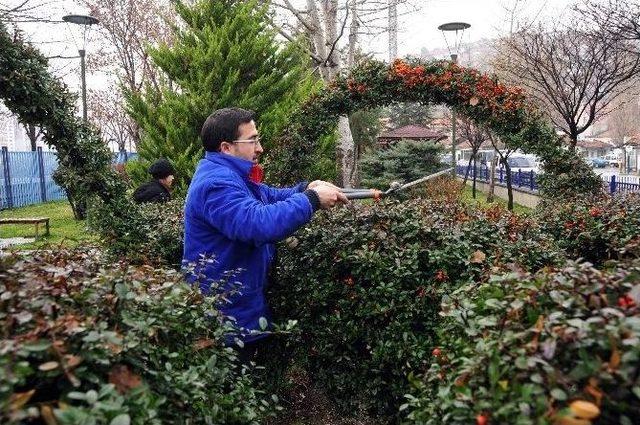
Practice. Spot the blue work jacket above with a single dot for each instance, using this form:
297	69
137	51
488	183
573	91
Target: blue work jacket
237	222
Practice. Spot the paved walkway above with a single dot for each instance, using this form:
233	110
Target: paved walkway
7	242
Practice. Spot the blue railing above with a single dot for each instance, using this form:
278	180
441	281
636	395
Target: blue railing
520	179
528	179
26	177
617	184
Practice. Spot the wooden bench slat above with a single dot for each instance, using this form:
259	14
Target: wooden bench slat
23	220
33	220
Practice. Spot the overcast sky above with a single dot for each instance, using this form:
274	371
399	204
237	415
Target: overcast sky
488	19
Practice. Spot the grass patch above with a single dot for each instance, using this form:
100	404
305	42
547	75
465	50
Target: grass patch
64	229
481	201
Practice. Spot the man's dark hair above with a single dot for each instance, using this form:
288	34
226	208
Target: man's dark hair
222	126
161	169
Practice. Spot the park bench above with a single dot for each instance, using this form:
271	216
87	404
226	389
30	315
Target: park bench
37	221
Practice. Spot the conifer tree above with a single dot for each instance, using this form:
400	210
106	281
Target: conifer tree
224	54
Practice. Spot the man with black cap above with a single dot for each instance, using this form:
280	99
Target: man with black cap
156	190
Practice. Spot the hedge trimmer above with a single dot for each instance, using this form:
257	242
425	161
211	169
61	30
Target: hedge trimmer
394	188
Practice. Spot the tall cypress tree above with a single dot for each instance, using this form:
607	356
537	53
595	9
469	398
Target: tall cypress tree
224	54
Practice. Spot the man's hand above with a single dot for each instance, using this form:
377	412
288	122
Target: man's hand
317	183
329	196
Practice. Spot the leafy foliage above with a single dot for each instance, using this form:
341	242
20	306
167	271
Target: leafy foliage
597	229
520	348
500	108
85	340
36	97
368	308
225	54
408	113
148	233
404	161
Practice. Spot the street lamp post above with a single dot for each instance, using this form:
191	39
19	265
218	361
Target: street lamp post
85	21
457	28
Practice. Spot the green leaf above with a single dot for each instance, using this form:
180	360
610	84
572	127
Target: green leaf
558	394
263	323
39	345
91	396
122	419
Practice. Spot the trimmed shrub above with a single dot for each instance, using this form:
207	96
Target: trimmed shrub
596	229
522	349
143	233
87	341
365	284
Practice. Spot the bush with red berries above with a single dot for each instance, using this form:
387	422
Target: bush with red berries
595	230
365	284
545	348
501	108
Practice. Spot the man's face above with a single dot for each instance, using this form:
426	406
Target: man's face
245	146
167	181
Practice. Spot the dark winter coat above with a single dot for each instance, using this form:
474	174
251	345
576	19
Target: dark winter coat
152	191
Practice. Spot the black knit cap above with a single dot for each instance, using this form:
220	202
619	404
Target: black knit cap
161	169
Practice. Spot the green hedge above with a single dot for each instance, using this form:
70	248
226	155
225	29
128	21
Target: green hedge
365	284
147	233
88	341
596	229
520	348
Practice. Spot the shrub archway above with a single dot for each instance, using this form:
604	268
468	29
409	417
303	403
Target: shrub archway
37	97
501	108
31	92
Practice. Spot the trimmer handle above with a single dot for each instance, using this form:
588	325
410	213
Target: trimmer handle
363	194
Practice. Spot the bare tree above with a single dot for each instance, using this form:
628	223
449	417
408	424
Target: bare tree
504	153
475	136
127	27
324	23
109	115
621	18
573	73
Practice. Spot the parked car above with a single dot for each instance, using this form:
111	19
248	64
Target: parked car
612	160
522	163
598	162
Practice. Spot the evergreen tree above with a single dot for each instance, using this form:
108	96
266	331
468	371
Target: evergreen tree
224	54
408	113
404	161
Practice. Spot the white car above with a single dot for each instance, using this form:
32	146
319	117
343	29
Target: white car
612	159
522	163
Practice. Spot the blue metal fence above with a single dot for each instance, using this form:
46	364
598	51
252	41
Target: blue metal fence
617	184
26	177
520	179
528	179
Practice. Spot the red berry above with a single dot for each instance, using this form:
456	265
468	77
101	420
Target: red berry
622	302
482	420
436	352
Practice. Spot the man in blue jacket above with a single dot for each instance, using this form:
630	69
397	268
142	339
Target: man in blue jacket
233	218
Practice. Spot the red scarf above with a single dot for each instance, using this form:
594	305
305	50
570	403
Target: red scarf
256	174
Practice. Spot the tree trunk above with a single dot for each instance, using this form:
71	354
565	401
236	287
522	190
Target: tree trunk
507	170
473	188
32	133
353	34
393	30
345	154
492	179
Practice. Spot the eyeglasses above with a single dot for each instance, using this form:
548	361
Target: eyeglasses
253	141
